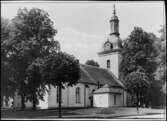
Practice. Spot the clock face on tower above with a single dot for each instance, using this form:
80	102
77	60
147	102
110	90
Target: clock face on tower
108	46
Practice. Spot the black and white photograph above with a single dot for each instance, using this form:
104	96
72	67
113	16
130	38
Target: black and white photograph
84	60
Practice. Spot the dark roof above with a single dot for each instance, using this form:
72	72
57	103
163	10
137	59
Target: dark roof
107	89
95	75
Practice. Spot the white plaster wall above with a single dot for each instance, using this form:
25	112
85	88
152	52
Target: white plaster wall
101	100
72	96
114	62
9	103
125	98
119	100
69	96
17	102
52	97
43	104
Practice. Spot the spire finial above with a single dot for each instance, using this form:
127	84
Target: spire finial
114	10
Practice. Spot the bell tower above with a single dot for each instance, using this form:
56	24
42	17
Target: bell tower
110	54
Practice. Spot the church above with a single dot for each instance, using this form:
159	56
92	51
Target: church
98	86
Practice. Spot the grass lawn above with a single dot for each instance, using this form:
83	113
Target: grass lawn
83	112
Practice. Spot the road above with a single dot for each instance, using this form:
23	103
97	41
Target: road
153	116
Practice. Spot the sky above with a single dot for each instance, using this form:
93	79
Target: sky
83	26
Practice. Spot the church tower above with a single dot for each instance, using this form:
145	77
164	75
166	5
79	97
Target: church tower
110	54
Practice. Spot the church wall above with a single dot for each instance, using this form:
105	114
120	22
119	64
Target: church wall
125	98
28	104
101	100
43	104
72	96
17	102
119	100
7	104
114	62
69	96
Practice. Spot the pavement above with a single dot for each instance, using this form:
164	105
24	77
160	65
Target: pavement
90	113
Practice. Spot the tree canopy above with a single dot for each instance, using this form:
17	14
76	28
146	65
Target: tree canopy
60	70
138	62
32	39
92	63
7	76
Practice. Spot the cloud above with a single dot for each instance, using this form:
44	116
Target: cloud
82	45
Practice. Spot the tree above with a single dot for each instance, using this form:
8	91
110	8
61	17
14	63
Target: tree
161	59
92	63
7	81
137	84
161	70
35	87
59	69
139	54
33	38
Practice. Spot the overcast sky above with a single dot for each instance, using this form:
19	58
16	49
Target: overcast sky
84	26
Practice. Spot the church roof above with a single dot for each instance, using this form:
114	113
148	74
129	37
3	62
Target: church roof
107	89
95	75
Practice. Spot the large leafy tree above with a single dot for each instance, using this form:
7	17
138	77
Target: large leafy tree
138	63
160	83
92	63
7	81
60	69
137	84
35	87
161	59
32	39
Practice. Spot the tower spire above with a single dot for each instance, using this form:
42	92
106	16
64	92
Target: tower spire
114	12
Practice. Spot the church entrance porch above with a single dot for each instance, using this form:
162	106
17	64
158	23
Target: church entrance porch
108	96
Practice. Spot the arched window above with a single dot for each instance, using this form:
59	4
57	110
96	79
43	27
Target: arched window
77	95
108	63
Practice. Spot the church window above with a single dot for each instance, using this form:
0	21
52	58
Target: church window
115	97
108	63
77	95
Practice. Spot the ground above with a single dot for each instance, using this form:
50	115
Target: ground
114	112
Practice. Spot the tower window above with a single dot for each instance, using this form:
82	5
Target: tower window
111	46
77	95
108	63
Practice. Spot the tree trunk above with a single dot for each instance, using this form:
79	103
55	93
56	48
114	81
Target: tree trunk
22	101
34	102
137	104
59	100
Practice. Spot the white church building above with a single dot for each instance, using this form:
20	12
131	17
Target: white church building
98	86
